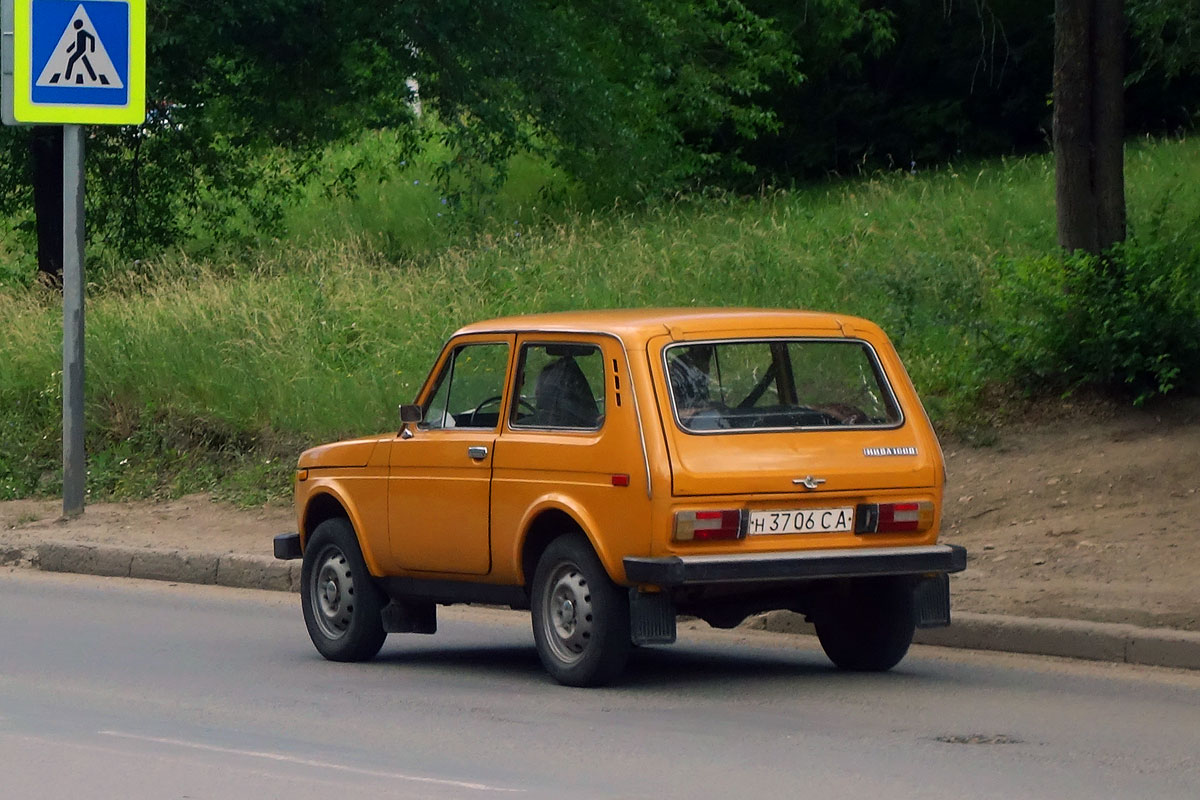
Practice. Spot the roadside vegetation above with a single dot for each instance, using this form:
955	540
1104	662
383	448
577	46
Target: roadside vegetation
210	373
318	195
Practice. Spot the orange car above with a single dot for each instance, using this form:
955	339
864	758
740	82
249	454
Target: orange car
610	470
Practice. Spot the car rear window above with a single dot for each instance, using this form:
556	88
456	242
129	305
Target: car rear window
778	384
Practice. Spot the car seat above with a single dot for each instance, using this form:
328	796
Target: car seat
563	398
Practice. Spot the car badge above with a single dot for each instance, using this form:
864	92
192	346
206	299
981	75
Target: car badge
889	451
808	482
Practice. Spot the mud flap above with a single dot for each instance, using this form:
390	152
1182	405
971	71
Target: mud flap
931	601
651	617
409	617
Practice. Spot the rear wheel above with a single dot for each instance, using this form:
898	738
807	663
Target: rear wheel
580	617
867	624
340	599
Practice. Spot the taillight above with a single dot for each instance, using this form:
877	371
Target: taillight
707	526
894	517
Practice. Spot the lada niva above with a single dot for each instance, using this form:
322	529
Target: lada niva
612	470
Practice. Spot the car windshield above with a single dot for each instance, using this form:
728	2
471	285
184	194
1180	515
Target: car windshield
778	384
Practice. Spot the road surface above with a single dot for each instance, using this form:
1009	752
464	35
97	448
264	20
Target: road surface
125	689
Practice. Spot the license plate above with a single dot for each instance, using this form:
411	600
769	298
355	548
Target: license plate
812	520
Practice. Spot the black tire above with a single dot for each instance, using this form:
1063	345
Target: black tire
580	617
340	599
867	624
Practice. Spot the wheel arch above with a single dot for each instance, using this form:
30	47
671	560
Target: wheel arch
544	525
321	506
326	502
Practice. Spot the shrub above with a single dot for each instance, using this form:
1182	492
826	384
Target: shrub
1128	321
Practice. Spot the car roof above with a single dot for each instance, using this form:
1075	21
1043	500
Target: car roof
638	325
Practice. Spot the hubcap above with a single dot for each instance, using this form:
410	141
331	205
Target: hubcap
566	615
332	593
569	623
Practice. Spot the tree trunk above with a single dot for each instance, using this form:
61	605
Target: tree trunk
1108	106
1089	123
46	145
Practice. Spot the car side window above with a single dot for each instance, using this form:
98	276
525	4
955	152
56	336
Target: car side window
559	385
469	390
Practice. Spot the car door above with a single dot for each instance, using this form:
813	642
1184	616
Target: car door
571	443
440	469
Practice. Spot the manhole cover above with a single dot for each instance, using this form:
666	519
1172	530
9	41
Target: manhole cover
978	738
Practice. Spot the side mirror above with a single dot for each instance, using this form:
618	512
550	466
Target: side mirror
410	412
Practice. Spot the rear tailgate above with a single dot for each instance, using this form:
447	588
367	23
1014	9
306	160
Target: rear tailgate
748	446
780	462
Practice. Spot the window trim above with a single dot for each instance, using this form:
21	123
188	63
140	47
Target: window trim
880	375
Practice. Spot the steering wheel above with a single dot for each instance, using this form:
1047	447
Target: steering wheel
521	401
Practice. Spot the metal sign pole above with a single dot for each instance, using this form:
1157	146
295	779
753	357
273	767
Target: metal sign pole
74	463
73	63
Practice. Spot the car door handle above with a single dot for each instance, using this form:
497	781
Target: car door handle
477	452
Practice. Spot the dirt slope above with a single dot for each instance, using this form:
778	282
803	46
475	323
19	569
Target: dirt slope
1093	514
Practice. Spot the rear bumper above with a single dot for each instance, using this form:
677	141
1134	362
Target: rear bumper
796	565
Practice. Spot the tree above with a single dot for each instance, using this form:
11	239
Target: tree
1168	36
901	84
1089	123
625	95
46	154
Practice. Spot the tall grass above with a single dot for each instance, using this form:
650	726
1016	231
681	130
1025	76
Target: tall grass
400	208
211	374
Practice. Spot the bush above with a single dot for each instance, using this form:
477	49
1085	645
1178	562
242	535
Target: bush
1128	321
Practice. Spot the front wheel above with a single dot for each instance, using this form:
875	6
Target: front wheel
867	624
580	617
340	599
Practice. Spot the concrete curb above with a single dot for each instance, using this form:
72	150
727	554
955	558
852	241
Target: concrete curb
1093	641
181	566
1096	641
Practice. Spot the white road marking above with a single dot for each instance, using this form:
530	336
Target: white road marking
308	762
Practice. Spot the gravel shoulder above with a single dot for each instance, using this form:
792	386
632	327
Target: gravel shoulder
1089	513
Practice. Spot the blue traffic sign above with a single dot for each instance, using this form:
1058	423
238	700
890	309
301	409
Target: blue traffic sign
79	61
80	52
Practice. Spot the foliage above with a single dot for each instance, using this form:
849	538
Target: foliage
230	134
16	265
244	98
628	99
1128	321
1168	36
906	84
624	95
201	371
404	212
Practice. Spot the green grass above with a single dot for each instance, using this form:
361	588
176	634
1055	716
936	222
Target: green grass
211	375
398	208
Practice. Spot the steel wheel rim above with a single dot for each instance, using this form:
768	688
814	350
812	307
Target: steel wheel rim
331	593
568	621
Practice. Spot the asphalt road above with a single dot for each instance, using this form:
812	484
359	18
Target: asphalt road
124	689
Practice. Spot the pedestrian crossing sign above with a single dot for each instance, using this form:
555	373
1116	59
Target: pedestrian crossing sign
78	62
